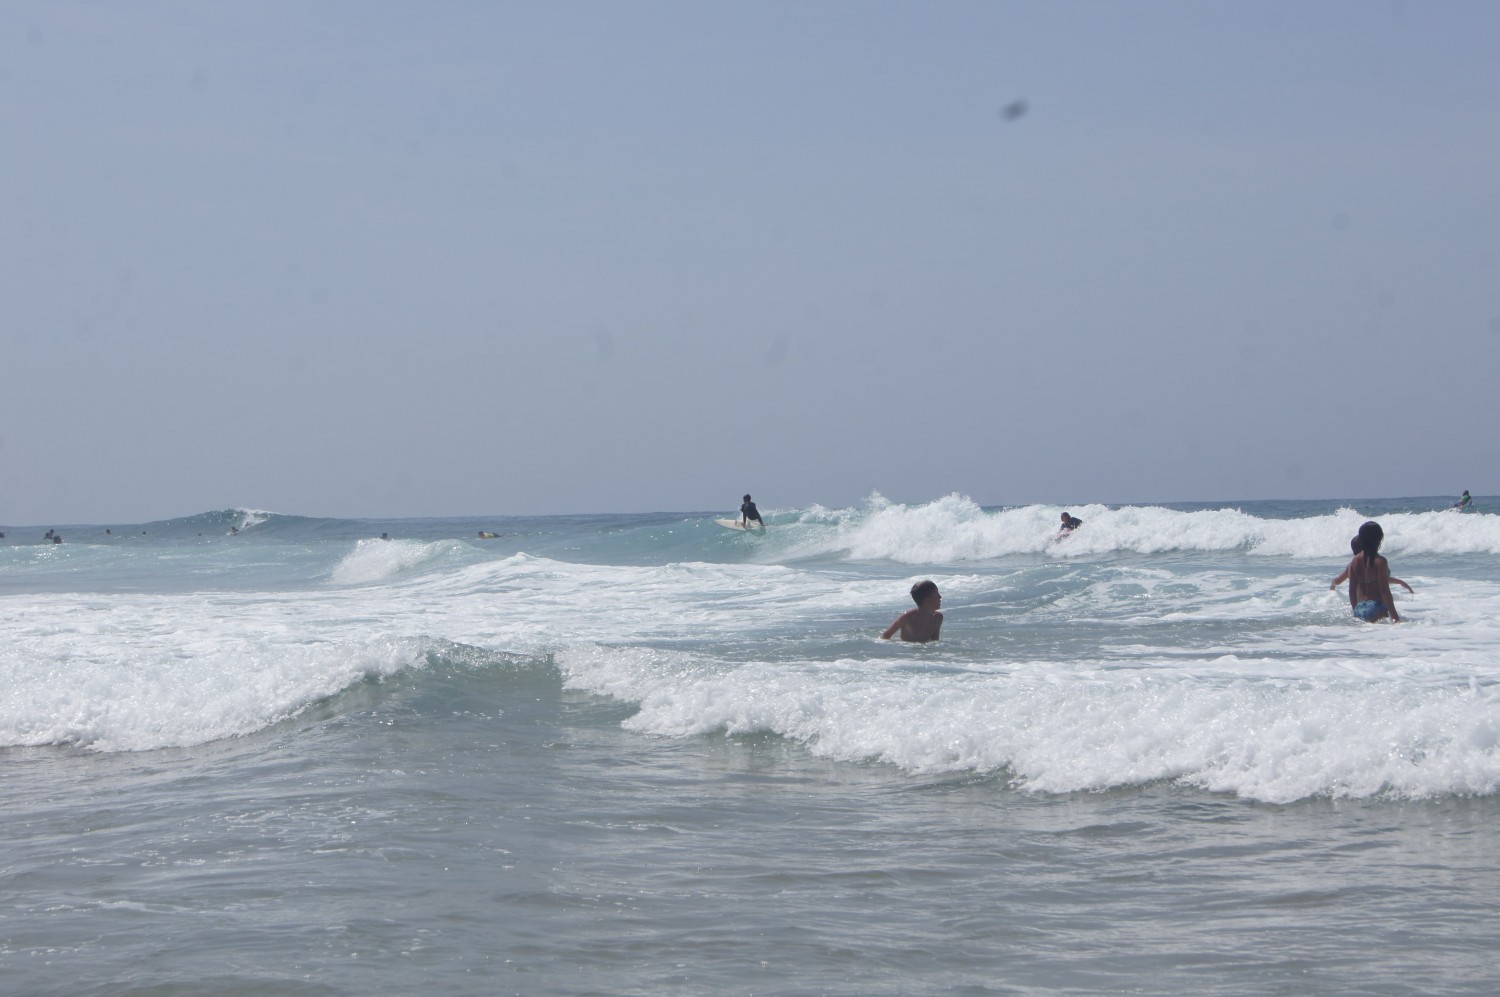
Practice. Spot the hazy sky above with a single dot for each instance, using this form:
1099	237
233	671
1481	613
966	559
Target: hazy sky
423	259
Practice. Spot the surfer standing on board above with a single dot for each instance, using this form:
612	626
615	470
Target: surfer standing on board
1370	578
1463	502
922	624
748	512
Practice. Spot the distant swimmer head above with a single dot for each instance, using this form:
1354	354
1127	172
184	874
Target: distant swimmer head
1354	545
1370	536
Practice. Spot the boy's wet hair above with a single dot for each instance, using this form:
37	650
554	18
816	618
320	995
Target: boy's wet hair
922	590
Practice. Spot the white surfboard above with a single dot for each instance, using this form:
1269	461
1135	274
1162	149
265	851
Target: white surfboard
735	524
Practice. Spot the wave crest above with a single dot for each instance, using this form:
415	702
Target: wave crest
955	528
373	561
1053	730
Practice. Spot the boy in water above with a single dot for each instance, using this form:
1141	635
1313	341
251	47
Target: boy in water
922	624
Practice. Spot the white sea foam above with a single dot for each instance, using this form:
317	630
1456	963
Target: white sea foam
1061	671
954	528
1055	729
177	689
381	560
251	517
130	671
249	659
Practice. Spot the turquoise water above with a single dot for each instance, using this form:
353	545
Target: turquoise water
258	753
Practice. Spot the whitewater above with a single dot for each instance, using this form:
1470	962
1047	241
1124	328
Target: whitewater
257	752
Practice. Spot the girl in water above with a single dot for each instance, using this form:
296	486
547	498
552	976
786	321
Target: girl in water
1370	578
1344	576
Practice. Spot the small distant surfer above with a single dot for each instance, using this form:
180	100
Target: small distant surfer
922	624
1070	523
749	514
1370	578
486	535
1342	578
1464	501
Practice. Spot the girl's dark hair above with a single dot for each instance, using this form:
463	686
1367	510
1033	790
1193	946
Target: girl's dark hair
1370	536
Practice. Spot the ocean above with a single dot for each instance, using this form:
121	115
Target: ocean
256	753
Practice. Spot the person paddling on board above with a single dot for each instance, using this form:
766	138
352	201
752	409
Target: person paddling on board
1070	523
1341	579
748	512
1370	578
922	624
1463	502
